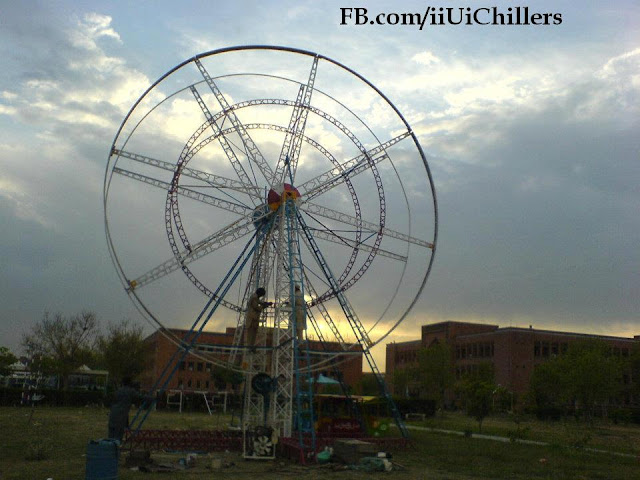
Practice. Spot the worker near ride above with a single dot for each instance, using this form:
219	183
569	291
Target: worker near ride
255	306
125	396
300	313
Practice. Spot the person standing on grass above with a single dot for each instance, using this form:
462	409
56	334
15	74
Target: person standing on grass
125	396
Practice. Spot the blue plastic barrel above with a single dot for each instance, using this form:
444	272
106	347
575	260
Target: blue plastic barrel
102	460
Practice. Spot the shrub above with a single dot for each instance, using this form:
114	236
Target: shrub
416	405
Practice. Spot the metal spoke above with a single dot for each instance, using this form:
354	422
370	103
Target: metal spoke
216	181
335	238
325	212
358	328
329	179
251	149
186	192
293	140
323	312
211	243
224	143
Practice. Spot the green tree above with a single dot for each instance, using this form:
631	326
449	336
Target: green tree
401	377
368	385
63	344
434	372
476	390
548	388
223	376
6	360
123	351
634	368
594	375
586	376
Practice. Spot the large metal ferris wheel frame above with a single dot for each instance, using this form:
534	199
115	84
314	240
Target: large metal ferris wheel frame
186	252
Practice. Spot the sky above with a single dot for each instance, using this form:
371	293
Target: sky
532	135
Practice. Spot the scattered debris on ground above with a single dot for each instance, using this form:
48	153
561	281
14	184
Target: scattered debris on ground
348	454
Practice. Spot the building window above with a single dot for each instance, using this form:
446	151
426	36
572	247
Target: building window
199	366
457	351
554	349
198	384
182	366
190	366
180	383
545	349
208	367
206	384
189	383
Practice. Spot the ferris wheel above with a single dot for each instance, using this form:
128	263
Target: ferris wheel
277	169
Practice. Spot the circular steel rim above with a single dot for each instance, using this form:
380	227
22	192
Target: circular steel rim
108	175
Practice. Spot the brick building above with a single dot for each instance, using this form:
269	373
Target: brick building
513	352
194	373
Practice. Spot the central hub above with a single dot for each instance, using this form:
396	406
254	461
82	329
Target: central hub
275	198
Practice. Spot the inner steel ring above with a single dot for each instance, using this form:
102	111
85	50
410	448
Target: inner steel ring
172	209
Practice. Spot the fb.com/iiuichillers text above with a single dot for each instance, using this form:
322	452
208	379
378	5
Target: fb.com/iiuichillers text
450	16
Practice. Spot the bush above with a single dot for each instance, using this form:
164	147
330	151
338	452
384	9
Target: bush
550	412
416	405
519	433
635	414
621	415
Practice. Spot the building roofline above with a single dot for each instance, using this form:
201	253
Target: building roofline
552	332
453	322
408	342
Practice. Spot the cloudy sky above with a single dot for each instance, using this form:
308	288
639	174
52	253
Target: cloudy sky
532	134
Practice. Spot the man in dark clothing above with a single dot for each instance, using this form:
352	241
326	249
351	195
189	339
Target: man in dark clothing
119	414
255	306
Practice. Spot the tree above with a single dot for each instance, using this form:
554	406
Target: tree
477	389
401	377
586	376
549	389
594	375
6	360
63	344
478	395
434	372
123	351
634	368
223	376
368	385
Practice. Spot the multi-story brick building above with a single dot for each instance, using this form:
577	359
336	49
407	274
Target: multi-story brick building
513	352
194	374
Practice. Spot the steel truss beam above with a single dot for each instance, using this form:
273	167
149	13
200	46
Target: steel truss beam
251	149
297	123
224	143
358	328
216	181
325	212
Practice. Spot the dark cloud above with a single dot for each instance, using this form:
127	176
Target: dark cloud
541	222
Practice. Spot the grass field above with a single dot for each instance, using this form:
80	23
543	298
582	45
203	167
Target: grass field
52	442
